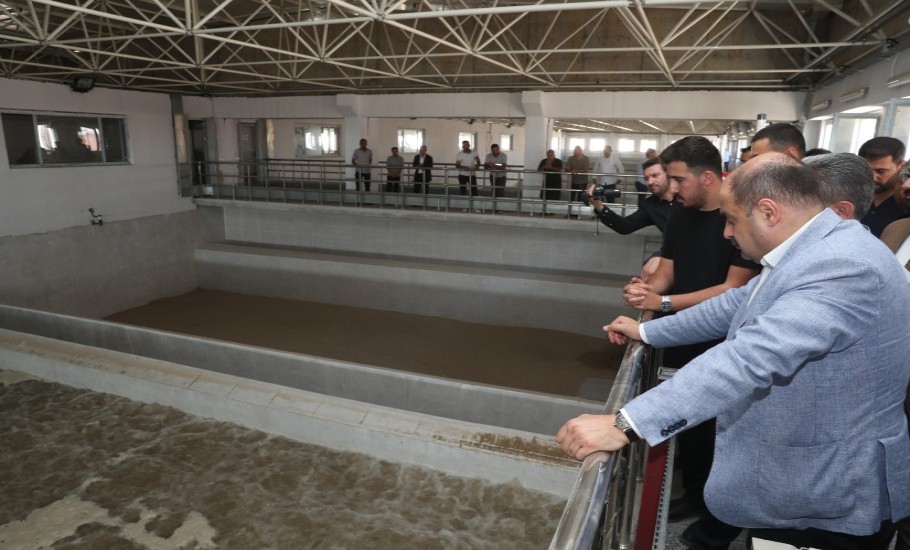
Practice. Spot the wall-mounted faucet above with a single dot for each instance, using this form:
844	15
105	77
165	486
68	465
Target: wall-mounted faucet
96	218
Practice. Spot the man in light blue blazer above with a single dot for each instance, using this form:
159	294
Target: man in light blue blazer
808	388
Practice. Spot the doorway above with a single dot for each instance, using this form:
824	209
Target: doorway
249	152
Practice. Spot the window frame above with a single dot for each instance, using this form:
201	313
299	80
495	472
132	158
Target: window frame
102	127
422	139
301	132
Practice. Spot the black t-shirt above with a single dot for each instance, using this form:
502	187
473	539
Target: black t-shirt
694	240
878	217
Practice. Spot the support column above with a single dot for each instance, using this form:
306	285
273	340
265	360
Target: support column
355	128
537	139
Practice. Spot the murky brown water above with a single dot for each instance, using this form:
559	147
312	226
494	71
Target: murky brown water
80	469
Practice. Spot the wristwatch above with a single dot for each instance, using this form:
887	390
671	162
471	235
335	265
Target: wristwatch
623	424
665	304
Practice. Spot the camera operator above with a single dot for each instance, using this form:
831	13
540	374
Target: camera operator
654	210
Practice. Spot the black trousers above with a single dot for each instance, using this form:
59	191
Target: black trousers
362	178
463	184
419	185
578	188
552	188
393	184
499	185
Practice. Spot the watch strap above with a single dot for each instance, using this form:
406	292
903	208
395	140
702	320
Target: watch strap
623	424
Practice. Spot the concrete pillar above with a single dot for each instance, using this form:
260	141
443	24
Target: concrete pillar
537	138
354	128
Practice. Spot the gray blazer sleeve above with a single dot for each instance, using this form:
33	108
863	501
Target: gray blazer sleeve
769	347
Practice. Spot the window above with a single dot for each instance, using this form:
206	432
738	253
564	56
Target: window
52	139
316	141
410	140
852	131
597	144
505	142
824	138
469	137
554	143
646	144
626	145
576	142
901	129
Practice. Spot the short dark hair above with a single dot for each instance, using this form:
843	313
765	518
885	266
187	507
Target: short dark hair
881	147
845	177
816	152
699	154
745	149
782	136
650	162
783	179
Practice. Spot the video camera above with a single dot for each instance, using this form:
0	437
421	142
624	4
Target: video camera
603	193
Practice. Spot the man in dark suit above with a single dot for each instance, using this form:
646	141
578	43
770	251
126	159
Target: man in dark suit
423	175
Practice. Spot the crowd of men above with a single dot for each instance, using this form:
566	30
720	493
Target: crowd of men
788	320
786	316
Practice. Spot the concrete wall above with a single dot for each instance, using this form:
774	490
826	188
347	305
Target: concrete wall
377	117
44	199
459	448
489	405
541	273
95	271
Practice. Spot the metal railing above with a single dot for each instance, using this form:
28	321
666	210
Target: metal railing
332	182
599	511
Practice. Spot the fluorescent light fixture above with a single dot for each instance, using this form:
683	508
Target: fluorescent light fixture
821	105
898	80
855	94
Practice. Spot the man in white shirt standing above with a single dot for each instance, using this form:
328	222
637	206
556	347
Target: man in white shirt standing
467	162
608	164
362	159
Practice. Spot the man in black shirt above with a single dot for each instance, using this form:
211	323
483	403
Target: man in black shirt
885	156
654	210
698	263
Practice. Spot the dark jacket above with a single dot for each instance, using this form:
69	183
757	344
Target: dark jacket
427	163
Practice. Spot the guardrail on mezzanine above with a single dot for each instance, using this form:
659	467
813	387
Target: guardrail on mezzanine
329	182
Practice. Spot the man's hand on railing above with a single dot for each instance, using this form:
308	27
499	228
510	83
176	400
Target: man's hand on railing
622	329
588	433
638	294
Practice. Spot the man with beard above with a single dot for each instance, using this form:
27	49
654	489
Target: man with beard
781	138
698	263
885	156
653	211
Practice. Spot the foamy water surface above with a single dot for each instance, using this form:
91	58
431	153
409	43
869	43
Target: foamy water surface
80	469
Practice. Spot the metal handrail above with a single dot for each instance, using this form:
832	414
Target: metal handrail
328	182
583	520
